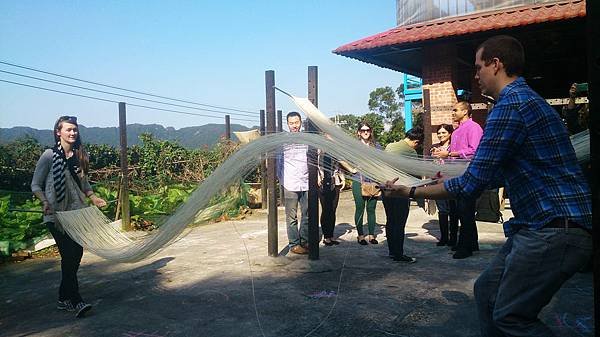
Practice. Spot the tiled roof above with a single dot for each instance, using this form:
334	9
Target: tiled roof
462	25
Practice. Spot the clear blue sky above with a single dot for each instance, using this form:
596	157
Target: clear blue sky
213	52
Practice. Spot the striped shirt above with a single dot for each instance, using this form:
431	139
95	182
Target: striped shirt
526	147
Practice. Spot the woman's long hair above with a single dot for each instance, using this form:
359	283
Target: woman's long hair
78	147
371	139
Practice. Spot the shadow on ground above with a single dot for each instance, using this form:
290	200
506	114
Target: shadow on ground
218	281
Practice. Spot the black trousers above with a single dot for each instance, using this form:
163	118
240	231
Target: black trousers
448	223
70	253
467	235
329	199
396	213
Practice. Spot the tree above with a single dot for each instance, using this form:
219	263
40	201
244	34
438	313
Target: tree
347	122
389	104
395	133
384	102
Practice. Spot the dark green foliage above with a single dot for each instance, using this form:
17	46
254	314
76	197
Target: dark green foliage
17	163
384	102
102	156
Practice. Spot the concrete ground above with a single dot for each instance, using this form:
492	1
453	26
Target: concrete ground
218	281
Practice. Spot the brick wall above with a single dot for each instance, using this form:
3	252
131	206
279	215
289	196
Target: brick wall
438	74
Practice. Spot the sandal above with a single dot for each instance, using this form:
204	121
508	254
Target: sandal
362	241
328	243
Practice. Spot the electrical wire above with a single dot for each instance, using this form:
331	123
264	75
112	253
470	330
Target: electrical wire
124	89
121	95
112	101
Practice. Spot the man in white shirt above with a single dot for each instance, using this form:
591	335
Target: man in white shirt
292	171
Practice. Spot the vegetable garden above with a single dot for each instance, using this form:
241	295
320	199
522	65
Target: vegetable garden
162	174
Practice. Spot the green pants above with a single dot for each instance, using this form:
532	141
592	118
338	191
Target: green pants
360	202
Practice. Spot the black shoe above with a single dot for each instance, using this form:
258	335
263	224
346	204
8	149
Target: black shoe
65	305
328	243
373	241
362	242
335	242
441	243
406	259
81	308
461	254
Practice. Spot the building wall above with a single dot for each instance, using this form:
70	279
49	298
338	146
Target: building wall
439	71
440	76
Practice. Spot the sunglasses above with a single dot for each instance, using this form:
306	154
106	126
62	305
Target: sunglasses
70	119
364	130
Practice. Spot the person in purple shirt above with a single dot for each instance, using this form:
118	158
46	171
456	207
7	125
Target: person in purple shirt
463	144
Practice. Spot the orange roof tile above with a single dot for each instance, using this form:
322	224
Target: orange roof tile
478	22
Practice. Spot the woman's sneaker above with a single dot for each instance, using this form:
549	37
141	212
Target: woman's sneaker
65	305
81	308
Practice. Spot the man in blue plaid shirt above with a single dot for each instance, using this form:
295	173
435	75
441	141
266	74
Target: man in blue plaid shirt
525	147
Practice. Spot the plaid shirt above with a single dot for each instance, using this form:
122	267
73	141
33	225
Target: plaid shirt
526	147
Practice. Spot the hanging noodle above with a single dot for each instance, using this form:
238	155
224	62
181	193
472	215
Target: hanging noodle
91	229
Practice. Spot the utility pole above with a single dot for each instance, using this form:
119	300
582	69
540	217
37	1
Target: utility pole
124	193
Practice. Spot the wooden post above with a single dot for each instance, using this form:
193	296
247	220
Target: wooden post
280	129
227	127
263	166
593	61
272	193
427	129
126	219
313	196
279	121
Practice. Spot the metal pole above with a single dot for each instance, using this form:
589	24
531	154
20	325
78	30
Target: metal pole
263	166
227	127
593	61
126	219
272	194
313	196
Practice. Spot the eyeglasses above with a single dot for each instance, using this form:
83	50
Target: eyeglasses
364	130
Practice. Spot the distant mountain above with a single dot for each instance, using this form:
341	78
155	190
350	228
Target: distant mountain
190	137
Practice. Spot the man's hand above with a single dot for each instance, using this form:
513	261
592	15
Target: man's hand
438	178
390	189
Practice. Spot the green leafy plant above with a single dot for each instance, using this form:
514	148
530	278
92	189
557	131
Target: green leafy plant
20	228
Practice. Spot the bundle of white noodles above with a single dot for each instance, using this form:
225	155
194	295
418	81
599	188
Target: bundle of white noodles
90	228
